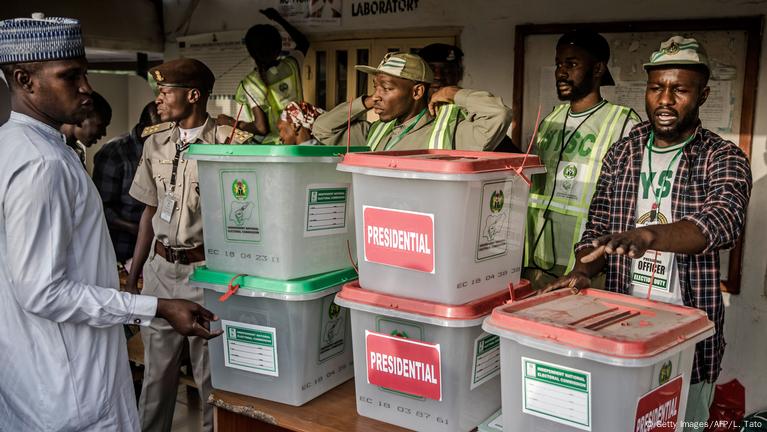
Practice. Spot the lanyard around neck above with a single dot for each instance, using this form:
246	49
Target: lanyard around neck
410	127
650	142
181	146
594	109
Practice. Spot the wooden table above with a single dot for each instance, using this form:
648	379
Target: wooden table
335	410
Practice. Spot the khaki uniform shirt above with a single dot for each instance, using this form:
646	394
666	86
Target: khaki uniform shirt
152	182
482	127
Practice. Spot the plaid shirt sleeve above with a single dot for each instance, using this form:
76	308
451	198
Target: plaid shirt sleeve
107	176
728	190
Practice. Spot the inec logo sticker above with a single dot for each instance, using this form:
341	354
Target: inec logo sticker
496	201
399	333
240	189
570	172
665	372
333	311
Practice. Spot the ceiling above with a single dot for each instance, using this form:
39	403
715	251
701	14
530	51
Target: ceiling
100	55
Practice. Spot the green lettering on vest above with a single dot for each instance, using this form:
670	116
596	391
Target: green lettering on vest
583	150
549	138
572	143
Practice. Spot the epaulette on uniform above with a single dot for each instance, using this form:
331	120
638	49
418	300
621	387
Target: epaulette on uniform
149	130
241	137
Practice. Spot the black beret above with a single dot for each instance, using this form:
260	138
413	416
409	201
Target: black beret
183	72
441	53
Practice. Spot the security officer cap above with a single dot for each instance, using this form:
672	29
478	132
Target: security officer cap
183	72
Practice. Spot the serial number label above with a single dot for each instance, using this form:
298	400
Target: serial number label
234	255
402	410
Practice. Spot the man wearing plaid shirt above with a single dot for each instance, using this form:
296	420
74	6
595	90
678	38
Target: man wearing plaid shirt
113	171
670	196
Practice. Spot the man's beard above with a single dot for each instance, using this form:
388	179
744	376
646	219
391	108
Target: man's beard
673	133
577	92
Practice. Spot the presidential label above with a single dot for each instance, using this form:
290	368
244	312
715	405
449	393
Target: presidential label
408	366
658	410
398	238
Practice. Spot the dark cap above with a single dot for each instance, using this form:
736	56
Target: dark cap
595	44
441	53
183	72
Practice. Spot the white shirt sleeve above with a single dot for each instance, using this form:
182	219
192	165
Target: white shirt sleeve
39	210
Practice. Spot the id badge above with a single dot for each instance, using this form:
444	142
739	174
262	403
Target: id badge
648	267
168	205
571	178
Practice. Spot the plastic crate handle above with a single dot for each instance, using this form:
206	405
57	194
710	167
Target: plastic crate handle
231	288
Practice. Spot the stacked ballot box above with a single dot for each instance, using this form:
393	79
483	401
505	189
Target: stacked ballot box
277	227
439	240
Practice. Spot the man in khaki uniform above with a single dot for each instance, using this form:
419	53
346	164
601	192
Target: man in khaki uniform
453	118
171	228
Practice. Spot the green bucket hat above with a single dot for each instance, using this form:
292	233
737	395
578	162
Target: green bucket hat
402	65
678	50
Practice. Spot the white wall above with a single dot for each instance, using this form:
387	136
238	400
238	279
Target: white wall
488	43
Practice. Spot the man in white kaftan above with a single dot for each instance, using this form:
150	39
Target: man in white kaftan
63	358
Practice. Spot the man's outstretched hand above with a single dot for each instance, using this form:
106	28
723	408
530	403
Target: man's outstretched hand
576	281
187	318
632	243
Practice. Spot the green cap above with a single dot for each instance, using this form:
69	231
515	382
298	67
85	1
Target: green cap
402	65
678	50
265	150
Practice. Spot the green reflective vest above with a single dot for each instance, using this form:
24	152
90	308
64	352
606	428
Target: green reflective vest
283	85
569	183
442	135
